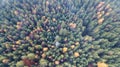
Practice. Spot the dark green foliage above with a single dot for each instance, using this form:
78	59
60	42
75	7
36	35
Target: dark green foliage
31	29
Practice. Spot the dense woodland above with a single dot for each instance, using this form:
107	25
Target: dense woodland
59	33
